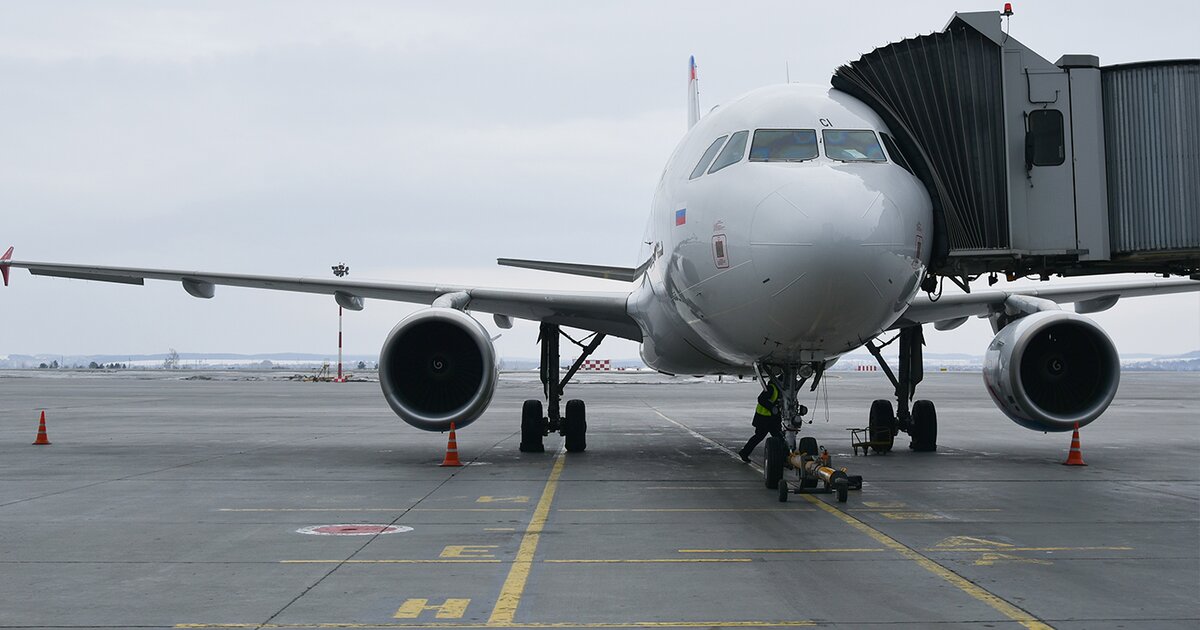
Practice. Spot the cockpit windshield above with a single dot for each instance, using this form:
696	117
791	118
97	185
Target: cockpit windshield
783	145
852	145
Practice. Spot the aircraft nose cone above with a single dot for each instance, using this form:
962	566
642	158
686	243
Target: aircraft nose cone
824	252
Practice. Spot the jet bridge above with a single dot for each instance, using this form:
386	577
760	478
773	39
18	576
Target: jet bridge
1042	168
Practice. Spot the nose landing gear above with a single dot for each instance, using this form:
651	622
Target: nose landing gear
814	475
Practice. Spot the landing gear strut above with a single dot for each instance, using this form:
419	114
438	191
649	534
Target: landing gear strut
921	422
573	427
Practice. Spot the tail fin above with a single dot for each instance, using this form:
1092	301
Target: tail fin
3	267
693	94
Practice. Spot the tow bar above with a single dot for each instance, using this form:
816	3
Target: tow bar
814	470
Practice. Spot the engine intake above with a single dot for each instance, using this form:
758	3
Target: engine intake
1052	369
438	366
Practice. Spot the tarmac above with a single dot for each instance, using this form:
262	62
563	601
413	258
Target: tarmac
170	503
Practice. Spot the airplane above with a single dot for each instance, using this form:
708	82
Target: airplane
787	229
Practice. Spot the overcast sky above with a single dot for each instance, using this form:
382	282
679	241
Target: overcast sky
414	141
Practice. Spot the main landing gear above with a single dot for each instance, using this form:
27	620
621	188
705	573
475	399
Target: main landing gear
573	425
921	422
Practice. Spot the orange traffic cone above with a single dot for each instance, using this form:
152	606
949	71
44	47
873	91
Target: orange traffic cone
42	438
1075	457
451	450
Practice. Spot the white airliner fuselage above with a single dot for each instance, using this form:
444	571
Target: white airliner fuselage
783	258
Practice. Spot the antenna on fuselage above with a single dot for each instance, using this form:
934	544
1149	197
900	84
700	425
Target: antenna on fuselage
693	94
787	69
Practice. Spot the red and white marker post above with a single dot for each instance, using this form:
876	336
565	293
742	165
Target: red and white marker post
340	378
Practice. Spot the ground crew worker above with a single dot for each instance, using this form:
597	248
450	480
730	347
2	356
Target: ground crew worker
767	420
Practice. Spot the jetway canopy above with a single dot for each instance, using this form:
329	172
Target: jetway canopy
1037	167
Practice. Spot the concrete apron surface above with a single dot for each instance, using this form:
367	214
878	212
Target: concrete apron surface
174	503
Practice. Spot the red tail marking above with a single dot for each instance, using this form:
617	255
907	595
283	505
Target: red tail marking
3	267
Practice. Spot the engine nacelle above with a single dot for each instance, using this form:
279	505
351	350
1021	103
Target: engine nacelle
438	366
1051	369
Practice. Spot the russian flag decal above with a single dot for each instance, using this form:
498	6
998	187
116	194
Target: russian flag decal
681	216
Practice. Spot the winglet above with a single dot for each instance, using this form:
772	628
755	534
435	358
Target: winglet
693	94
3	267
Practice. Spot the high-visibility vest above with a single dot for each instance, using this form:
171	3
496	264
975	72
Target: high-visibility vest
763	411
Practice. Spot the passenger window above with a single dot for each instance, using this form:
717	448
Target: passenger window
733	152
852	145
894	152
1044	139
708	157
783	145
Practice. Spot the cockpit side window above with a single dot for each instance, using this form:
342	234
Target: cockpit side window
783	145
733	152
847	145
707	158
895	153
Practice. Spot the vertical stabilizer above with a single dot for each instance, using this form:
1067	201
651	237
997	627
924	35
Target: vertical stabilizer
693	94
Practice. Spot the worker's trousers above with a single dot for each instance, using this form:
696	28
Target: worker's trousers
759	434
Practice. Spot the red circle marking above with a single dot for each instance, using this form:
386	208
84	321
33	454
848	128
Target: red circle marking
353	529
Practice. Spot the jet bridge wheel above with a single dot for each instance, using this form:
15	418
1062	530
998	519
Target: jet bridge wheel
924	427
575	426
776	454
882	426
533	427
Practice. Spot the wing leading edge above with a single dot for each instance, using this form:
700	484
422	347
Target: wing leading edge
596	311
1088	298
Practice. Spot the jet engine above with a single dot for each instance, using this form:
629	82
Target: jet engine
1048	370
438	366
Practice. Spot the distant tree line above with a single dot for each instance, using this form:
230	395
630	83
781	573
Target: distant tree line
53	365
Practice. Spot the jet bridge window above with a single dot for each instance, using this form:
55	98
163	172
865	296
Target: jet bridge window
707	158
845	145
1044	139
783	145
733	152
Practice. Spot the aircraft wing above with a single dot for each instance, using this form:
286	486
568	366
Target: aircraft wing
951	310
596	311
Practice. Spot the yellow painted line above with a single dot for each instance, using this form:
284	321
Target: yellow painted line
1003	607
940	509
970	588
648	560
994	549
831	550
796	509
496	561
514	585
741	487
373	510
398	561
631	624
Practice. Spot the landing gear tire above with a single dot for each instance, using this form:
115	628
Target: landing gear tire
882	426
533	427
575	427
924	427
783	491
776	454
